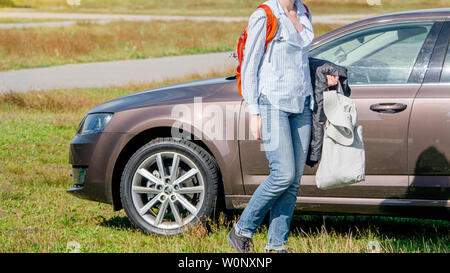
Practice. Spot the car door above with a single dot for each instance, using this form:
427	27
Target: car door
383	74
429	131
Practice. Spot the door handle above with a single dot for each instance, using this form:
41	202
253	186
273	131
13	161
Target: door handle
388	107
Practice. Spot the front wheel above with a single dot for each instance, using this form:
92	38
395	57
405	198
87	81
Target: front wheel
167	185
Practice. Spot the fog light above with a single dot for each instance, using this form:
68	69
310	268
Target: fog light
79	176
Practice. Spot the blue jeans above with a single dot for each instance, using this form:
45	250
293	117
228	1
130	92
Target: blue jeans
286	138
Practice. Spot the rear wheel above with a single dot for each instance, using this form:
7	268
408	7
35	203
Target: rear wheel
169	184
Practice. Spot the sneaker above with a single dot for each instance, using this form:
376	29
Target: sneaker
241	244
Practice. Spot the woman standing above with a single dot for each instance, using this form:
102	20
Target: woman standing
277	88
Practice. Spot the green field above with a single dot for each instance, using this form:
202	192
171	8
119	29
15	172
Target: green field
86	42
37	215
219	8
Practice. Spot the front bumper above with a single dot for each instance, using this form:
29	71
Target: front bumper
93	158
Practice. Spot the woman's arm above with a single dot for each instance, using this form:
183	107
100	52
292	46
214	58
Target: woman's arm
253	53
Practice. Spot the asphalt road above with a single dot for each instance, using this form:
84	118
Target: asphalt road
116	73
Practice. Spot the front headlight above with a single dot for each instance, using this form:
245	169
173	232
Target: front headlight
94	123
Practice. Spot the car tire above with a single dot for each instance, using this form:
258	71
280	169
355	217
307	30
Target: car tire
160	198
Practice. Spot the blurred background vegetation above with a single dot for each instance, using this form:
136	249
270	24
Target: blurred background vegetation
222	7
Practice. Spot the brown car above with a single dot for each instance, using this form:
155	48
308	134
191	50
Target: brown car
170	156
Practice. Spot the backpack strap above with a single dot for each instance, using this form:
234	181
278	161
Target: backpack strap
308	11
272	23
272	27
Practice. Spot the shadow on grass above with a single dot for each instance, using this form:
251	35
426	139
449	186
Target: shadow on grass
396	227
393	227
117	222
380	225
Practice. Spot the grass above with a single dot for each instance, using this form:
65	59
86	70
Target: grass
219	8
37	215
86	42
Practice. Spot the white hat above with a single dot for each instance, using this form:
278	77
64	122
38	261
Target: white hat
341	115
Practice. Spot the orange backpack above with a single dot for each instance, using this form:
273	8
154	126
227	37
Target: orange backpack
272	26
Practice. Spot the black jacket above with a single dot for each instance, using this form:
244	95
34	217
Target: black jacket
319	69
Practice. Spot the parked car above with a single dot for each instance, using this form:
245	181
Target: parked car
125	153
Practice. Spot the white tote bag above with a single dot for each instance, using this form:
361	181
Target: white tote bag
343	156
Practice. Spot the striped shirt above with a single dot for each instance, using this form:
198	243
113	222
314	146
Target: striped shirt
282	72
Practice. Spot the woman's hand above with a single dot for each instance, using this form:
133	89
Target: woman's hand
255	126
332	80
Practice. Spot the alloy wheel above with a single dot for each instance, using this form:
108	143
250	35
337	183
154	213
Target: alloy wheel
168	190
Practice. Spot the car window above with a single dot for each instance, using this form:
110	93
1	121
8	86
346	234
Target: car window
445	76
379	55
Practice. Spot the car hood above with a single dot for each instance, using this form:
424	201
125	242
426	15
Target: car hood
176	93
